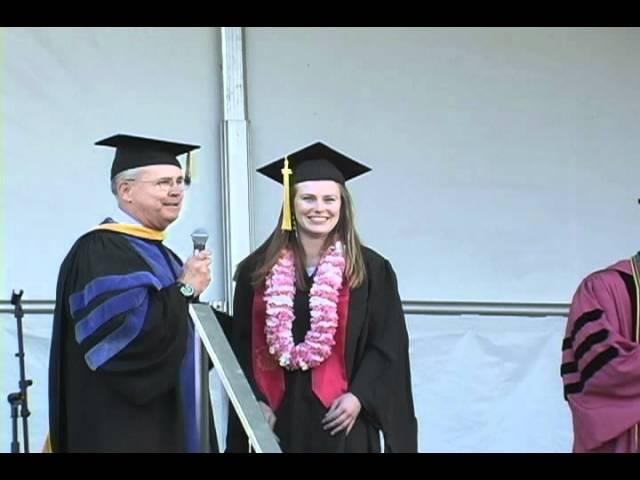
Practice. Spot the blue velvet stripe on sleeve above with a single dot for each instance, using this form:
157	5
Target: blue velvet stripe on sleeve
110	283
131	299
109	309
120	338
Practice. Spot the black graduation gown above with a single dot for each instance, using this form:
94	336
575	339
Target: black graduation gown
377	360
117	380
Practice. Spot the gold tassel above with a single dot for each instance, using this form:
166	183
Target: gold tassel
286	205
190	169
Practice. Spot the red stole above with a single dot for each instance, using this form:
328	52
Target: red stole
328	380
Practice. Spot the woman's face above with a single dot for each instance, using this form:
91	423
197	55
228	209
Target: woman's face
317	207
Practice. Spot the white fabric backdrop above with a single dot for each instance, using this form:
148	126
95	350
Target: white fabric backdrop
481	384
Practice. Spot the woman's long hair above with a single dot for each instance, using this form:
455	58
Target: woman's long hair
345	231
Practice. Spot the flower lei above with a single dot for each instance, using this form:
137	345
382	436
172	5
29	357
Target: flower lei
280	290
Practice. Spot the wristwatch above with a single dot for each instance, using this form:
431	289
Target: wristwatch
187	290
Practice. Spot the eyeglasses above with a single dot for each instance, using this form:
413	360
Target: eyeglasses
165	184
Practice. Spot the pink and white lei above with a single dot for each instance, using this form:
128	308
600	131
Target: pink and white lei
280	290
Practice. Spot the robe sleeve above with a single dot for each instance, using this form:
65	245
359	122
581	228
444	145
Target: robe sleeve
130	324
382	380
600	367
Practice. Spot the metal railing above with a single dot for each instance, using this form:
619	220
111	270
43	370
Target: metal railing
236	386
410	307
510	309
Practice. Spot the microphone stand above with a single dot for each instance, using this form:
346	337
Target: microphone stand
19	399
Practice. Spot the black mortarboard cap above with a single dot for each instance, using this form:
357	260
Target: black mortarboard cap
317	161
134	152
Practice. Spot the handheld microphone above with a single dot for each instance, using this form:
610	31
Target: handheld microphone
199	238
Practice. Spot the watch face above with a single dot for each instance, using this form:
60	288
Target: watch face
187	290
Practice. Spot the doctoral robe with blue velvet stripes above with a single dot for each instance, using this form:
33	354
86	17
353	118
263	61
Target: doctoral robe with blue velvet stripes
121	375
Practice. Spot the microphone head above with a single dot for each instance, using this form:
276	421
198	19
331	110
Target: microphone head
199	238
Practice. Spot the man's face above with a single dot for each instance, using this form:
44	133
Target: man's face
155	197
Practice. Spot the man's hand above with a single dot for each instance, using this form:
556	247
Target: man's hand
196	271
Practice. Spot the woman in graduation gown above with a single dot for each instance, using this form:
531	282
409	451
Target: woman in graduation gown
318	324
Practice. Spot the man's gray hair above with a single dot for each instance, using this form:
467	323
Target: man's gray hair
124	176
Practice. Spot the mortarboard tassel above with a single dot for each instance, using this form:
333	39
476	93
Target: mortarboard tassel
286	205
190	170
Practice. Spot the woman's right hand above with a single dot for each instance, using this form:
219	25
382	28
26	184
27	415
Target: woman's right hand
268	414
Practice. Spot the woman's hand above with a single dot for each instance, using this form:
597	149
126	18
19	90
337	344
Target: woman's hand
268	414
342	414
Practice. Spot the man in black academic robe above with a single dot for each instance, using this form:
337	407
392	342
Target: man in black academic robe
122	366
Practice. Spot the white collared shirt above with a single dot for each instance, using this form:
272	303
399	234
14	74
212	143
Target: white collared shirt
120	216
